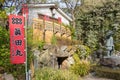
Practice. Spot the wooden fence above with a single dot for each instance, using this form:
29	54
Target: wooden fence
44	30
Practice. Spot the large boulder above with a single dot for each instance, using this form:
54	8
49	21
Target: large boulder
111	61
67	63
65	51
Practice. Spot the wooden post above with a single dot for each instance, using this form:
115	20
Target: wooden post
44	32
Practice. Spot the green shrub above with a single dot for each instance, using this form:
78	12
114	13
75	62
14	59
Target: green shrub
40	45
76	58
83	51
4	49
54	40
52	74
117	46
81	68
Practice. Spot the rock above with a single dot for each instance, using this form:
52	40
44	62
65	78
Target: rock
44	58
61	53
46	46
69	48
65	51
54	56
63	48
117	53
70	60
1	77
53	49
36	53
65	65
8	77
111	61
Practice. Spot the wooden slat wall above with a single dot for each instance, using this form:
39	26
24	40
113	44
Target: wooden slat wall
40	27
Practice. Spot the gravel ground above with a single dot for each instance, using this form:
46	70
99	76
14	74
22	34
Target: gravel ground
91	77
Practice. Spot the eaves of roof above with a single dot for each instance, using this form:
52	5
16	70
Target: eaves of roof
50	6
63	14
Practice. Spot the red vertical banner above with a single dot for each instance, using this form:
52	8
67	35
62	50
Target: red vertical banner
17	39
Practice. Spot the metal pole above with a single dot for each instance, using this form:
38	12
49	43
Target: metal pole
26	47
24	14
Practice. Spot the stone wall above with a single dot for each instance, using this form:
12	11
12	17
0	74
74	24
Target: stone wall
54	56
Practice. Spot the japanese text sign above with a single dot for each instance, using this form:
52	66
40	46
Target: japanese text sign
17	42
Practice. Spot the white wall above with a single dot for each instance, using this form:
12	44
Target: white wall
33	13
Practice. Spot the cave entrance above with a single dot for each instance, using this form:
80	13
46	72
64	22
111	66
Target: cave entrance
60	61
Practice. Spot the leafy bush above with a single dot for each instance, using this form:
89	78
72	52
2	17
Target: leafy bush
29	36
76	58
92	39
83	51
117	46
54	40
81	68
4	49
65	41
40	45
3	14
52	74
